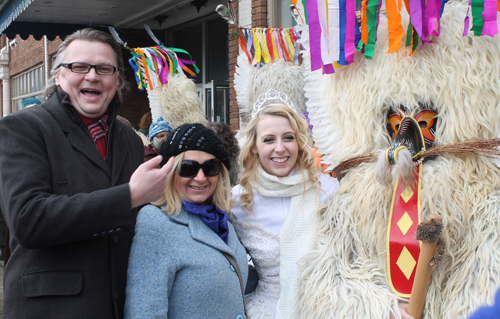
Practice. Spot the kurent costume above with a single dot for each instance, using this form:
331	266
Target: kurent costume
281	212
437	111
68	210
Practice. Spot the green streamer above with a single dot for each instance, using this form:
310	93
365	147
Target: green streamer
360	46
477	7
416	38
371	21
176	50
408	34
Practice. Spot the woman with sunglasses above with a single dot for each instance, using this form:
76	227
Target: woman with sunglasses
185	254
277	203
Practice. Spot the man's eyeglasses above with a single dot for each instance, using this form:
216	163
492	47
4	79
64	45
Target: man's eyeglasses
190	168
84	68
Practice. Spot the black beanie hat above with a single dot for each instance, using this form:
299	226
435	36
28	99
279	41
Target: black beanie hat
193	137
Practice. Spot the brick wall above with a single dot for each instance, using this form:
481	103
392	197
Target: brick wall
259	13
259	20
29	53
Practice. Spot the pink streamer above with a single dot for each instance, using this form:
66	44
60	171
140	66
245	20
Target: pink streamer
433	9
466	21
349	45
419	19
490	26
314	34
164	68
277	43
328	69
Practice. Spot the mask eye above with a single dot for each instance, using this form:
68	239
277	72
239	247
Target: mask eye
393	124
427	120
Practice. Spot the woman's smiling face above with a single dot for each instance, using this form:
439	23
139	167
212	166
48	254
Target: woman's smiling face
200	188
276	145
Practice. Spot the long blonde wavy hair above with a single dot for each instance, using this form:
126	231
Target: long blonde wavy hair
172	201
249	162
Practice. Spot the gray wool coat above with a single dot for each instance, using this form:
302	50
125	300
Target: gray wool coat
177	270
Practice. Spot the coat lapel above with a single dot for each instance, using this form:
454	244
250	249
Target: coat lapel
118	157
202	233
77	136
80	141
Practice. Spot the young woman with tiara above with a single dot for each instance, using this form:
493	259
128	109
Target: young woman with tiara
277	203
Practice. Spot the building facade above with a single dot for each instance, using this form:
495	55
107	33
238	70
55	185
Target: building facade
25	62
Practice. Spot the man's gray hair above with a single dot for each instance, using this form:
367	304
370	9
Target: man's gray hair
90	35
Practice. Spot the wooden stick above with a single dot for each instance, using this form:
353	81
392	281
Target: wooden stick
429	235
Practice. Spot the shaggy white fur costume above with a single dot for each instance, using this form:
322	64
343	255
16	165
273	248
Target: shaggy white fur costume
460	76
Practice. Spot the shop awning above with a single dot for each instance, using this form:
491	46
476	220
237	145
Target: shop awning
10	10
62	17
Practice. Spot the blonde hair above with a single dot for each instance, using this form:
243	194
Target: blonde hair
249	161
172	201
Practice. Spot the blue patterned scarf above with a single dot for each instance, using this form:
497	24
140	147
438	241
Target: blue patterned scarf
214	217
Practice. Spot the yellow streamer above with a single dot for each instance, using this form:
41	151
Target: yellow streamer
265	50
256	44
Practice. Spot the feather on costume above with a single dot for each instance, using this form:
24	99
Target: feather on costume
457	77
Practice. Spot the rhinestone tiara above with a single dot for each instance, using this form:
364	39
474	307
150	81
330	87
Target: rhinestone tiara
265	100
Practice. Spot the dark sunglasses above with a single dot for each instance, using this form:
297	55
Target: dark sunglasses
190	168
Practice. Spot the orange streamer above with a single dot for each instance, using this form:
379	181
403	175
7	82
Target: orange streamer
243	46
407	6
185	68
144	63
396	31
283	46
364	20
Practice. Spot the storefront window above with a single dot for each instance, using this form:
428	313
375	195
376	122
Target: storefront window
27	84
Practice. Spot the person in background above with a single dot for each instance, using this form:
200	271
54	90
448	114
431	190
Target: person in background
228	137
277	203
71	184
30	101
186	261
158	132
145	122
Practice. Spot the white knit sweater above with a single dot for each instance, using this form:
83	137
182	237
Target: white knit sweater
281	205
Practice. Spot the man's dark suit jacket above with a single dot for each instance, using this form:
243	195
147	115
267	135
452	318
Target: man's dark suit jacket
68	211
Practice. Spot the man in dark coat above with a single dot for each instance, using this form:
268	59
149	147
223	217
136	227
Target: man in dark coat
71	182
